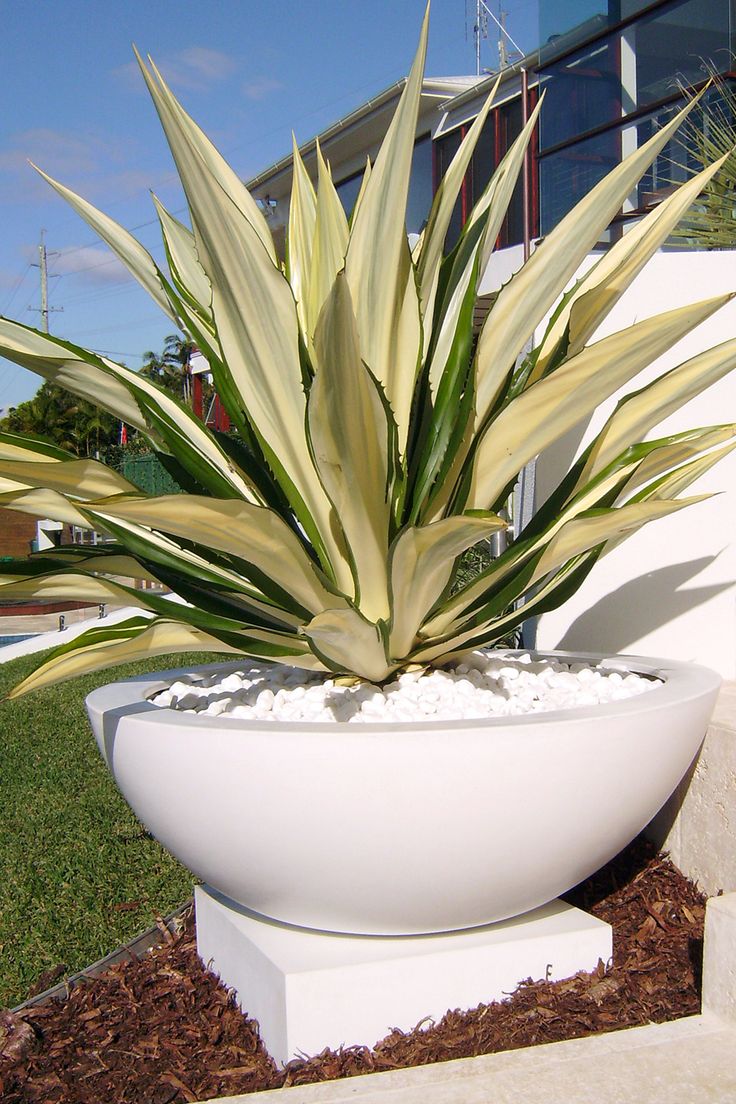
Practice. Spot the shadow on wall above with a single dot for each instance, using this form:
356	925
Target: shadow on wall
638	607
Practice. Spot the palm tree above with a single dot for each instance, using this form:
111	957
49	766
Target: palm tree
168	368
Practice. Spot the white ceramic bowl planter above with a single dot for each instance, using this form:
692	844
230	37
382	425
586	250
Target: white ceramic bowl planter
403	828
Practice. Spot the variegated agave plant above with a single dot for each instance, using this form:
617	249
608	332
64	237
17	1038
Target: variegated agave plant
375	442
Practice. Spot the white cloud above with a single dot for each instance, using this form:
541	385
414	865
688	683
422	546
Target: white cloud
92	264
260	87
195	69
86	163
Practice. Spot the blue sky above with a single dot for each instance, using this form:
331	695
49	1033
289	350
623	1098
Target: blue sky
249	72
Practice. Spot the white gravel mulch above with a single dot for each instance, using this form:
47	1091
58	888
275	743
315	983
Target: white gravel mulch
485	684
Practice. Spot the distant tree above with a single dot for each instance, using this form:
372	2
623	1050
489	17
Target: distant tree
66	421
168	368
84	429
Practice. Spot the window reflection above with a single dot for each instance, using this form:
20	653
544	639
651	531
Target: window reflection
582	92
348	190
566	176
675	41
597	96
420	187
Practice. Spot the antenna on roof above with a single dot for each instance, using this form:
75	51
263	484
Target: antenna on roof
480	30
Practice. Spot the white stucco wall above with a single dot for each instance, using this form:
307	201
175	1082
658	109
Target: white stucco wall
670	589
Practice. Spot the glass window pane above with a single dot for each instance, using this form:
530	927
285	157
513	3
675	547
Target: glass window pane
583	91
484	158
420	187
564	23
510	119
348	190
566	176
673	43
446	148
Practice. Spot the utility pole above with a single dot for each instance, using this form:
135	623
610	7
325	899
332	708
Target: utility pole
44	284
503	54
43	268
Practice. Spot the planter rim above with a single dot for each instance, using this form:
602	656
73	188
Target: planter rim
678	681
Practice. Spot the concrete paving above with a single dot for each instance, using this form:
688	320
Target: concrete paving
45	627
691	1061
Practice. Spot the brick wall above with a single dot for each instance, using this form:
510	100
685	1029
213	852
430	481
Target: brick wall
16	533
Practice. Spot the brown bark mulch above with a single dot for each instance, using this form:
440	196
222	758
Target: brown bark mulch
161	1030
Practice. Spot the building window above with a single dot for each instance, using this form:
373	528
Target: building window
582	92
670	45
605	99
566	176
420	187
502	127
445	149
348	189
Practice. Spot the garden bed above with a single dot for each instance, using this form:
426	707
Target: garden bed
161	1030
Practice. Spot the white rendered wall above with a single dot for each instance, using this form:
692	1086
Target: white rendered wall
668	590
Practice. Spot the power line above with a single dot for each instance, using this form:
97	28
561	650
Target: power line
255	140
157	247
16	288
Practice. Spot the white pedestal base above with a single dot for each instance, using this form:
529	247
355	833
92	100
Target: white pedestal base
309	989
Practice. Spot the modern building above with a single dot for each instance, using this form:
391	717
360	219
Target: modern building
612	72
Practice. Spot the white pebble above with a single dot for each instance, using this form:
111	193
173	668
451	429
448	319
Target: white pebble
485	684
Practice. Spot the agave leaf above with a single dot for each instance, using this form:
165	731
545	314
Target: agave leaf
82	479
636	413
257	326
500	188
13	446
40	502
446	423
675	451
361	191
677	481
549	596
601	288
350	436
422	559
135	258
253	533
429	258
478	238
68	586
300	236
330	244
448	440
345	641
127	395
163	553
588	531
378	263
509	576
104	647
74	369
555	404
221	172
186	271
523	302
102	560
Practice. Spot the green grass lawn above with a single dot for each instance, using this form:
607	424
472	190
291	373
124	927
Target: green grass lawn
78	873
